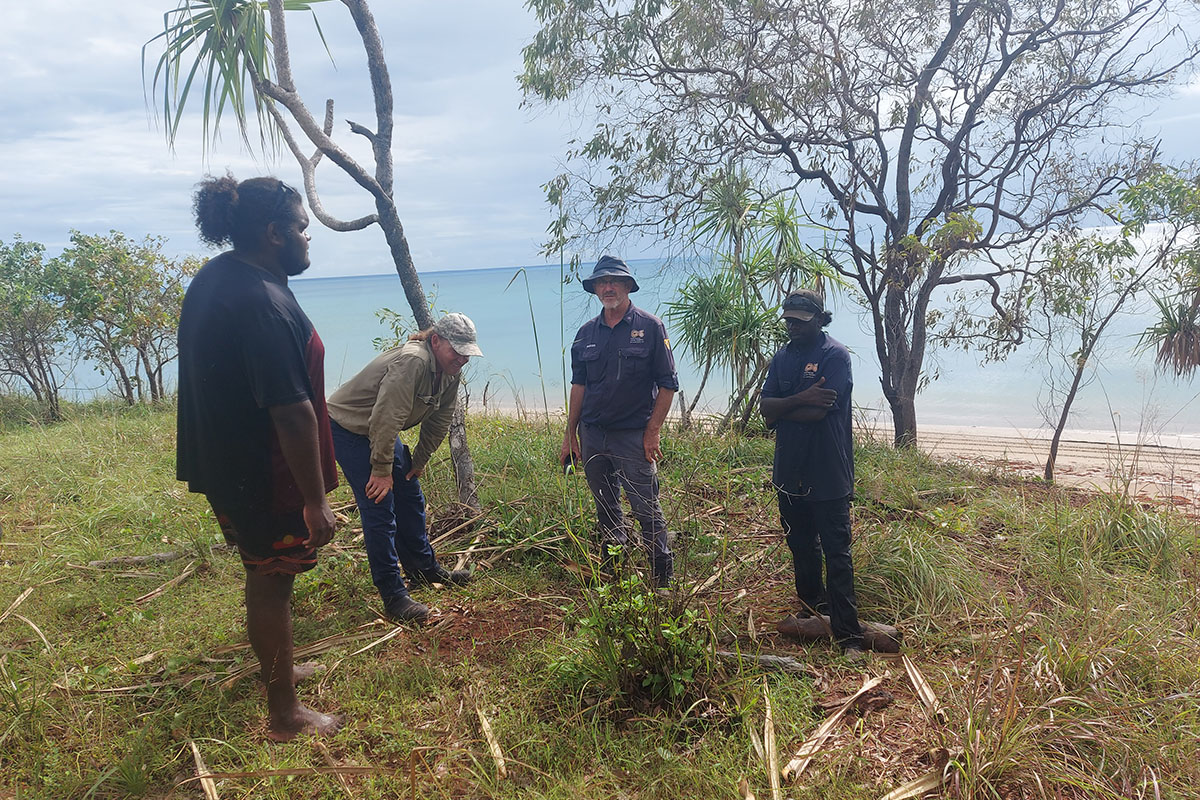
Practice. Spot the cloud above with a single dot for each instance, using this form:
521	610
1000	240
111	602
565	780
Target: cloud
82	149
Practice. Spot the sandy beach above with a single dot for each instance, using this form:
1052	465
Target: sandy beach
1163	469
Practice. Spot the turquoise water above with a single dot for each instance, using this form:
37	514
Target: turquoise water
1125	392
1001	395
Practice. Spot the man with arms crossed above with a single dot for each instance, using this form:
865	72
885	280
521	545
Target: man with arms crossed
253	434
806	399
622	381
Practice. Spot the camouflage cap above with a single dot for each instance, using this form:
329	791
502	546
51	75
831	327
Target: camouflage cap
459	331
802	305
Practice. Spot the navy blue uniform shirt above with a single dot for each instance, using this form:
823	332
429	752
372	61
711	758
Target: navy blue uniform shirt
814	460
622	368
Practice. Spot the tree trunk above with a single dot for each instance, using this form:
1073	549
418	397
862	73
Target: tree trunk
460	456
1080	366
740	396
460	452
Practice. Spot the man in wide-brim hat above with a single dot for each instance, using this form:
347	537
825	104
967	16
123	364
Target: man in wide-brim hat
622	382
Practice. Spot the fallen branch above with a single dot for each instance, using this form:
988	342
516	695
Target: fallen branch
171	584
206	782
108	574
464	555
325	754
771	755
924	690
125	561
876	636
444	536
493	745
21	598
316	648
809	749
779	663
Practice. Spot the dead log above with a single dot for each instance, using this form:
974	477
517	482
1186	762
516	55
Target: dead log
781	663
125	561
876	635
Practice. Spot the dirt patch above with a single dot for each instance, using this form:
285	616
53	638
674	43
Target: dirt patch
490	632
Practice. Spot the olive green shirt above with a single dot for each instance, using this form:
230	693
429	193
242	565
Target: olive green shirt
397	390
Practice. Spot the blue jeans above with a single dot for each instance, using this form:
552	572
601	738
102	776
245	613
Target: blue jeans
612	459
813	527
394	528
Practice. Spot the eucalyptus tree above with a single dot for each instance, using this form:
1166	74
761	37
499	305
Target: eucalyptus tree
235	52
32	326
937	142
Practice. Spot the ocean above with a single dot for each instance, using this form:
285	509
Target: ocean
526	318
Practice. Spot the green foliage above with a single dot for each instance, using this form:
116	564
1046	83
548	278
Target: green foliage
122	300
935	144
32	325
1065	652
636	645
729	318
226	44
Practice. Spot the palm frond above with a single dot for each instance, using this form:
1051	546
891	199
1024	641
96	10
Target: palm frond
1176	334
222	49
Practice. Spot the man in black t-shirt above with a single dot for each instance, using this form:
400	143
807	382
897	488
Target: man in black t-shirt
806	399
253	433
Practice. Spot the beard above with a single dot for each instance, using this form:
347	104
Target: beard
295	260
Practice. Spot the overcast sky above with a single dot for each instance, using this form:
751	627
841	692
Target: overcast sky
81	150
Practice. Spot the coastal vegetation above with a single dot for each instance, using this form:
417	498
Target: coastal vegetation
1057	629
105	298
938	147
241	47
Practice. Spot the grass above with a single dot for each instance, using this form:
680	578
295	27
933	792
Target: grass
1060	631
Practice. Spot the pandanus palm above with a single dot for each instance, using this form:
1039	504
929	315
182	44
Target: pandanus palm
235	52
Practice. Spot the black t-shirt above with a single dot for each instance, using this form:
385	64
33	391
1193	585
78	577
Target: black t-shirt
244	346
622	368
814	460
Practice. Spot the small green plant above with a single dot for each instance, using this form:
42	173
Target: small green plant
639	645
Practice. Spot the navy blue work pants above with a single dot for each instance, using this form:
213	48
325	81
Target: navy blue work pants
394	528
612	459
813	527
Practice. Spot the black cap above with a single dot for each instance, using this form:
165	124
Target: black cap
803	305
607	265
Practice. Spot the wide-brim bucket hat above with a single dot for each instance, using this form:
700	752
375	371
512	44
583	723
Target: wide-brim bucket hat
606	266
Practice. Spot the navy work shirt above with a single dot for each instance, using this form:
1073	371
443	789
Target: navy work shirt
814	460
622	368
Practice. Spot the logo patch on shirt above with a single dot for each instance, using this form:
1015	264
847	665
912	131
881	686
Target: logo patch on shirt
810	370
641	334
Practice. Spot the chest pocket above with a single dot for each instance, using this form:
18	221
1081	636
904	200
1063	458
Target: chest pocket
589	356
633	361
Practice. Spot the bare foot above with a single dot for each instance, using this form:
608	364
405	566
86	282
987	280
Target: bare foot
303	720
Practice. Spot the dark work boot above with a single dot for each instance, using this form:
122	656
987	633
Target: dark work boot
403	608
664	570
439	574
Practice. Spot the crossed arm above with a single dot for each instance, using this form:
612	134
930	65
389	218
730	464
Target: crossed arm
809	405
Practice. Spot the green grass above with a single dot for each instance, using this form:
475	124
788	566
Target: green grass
1059	630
